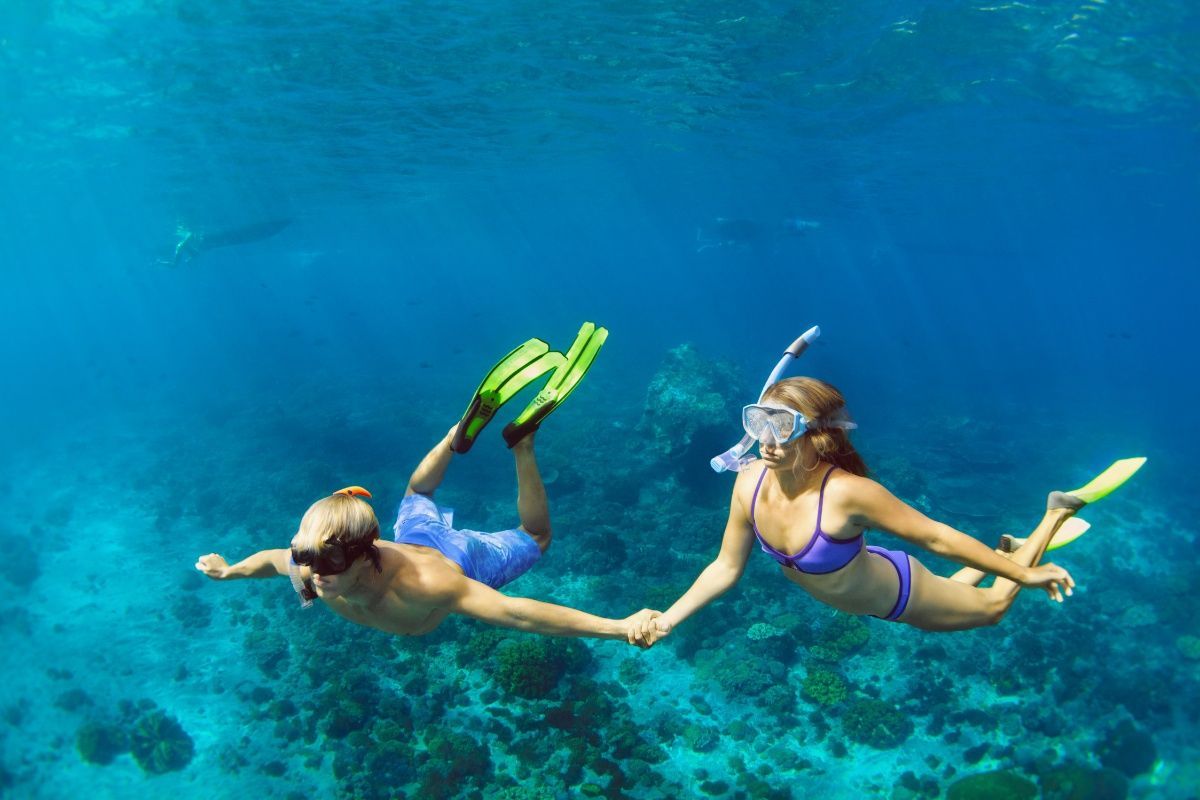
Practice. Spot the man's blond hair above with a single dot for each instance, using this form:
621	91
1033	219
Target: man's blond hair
348	519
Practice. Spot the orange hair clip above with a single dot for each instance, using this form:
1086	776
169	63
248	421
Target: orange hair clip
351	491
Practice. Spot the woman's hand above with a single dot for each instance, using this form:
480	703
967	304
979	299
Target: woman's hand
1055	580
636	626
213	566
648	629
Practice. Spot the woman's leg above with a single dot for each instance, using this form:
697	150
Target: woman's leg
940	604
943	604
429	473
1030	553
972	576
532	505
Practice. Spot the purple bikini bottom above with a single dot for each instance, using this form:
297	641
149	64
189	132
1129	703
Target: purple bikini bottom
904	570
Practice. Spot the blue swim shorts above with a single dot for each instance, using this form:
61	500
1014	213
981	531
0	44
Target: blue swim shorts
491	558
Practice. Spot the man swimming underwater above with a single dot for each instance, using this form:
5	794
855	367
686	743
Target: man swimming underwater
431	570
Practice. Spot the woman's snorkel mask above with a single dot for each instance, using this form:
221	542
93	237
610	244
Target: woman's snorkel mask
771	423
779	423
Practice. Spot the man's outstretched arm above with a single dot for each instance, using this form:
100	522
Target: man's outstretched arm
263	564
477	600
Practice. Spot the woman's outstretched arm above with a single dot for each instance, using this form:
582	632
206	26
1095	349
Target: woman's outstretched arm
716	579
872	506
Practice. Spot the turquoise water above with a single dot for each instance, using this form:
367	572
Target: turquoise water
997	232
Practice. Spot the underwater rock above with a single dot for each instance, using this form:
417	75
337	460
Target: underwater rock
370	771
739	674
998	785
73	700
344	718
22	562
98	743
1077	782
191	612
779	699
632	671
686	403
160	744
1139	615
876	724
268	651
701	738
454	757
481	647
1128	749
1189	647
973	755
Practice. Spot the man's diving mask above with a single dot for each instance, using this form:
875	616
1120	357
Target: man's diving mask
778	424
334	559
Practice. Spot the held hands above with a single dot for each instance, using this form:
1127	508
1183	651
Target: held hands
212	565
645	628
1052	578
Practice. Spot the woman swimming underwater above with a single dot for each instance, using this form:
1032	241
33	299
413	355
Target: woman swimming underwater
809	502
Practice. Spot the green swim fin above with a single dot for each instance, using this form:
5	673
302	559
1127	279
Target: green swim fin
1108	481
1068	532
511	374
564	380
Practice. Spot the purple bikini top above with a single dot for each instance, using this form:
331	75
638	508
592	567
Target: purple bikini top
823	553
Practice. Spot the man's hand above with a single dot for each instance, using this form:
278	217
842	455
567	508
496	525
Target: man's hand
641	630
213	566
1052	578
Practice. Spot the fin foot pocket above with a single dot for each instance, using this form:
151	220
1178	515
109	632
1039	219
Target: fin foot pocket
523	365
563	381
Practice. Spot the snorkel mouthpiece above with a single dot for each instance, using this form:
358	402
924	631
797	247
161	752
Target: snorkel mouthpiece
735	458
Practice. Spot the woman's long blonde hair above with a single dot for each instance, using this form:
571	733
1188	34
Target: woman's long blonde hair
817	400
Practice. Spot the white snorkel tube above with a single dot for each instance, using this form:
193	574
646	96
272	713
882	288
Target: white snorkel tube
735	458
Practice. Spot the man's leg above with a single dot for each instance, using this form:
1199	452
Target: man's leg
429	473
532	505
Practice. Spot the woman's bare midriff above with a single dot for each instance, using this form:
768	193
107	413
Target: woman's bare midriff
867	585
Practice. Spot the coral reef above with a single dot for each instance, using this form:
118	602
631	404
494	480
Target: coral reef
824	686
841	636
99	743
159	743
760	631
1128	749
22	562
998	785
1078	782
531	666
876	723
1189	647
686	403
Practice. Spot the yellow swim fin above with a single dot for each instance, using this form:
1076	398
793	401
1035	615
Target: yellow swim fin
1068	532
1108	481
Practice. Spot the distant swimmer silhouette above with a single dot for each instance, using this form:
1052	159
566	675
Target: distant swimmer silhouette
723	232
192	244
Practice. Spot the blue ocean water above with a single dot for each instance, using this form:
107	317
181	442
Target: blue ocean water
991	211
